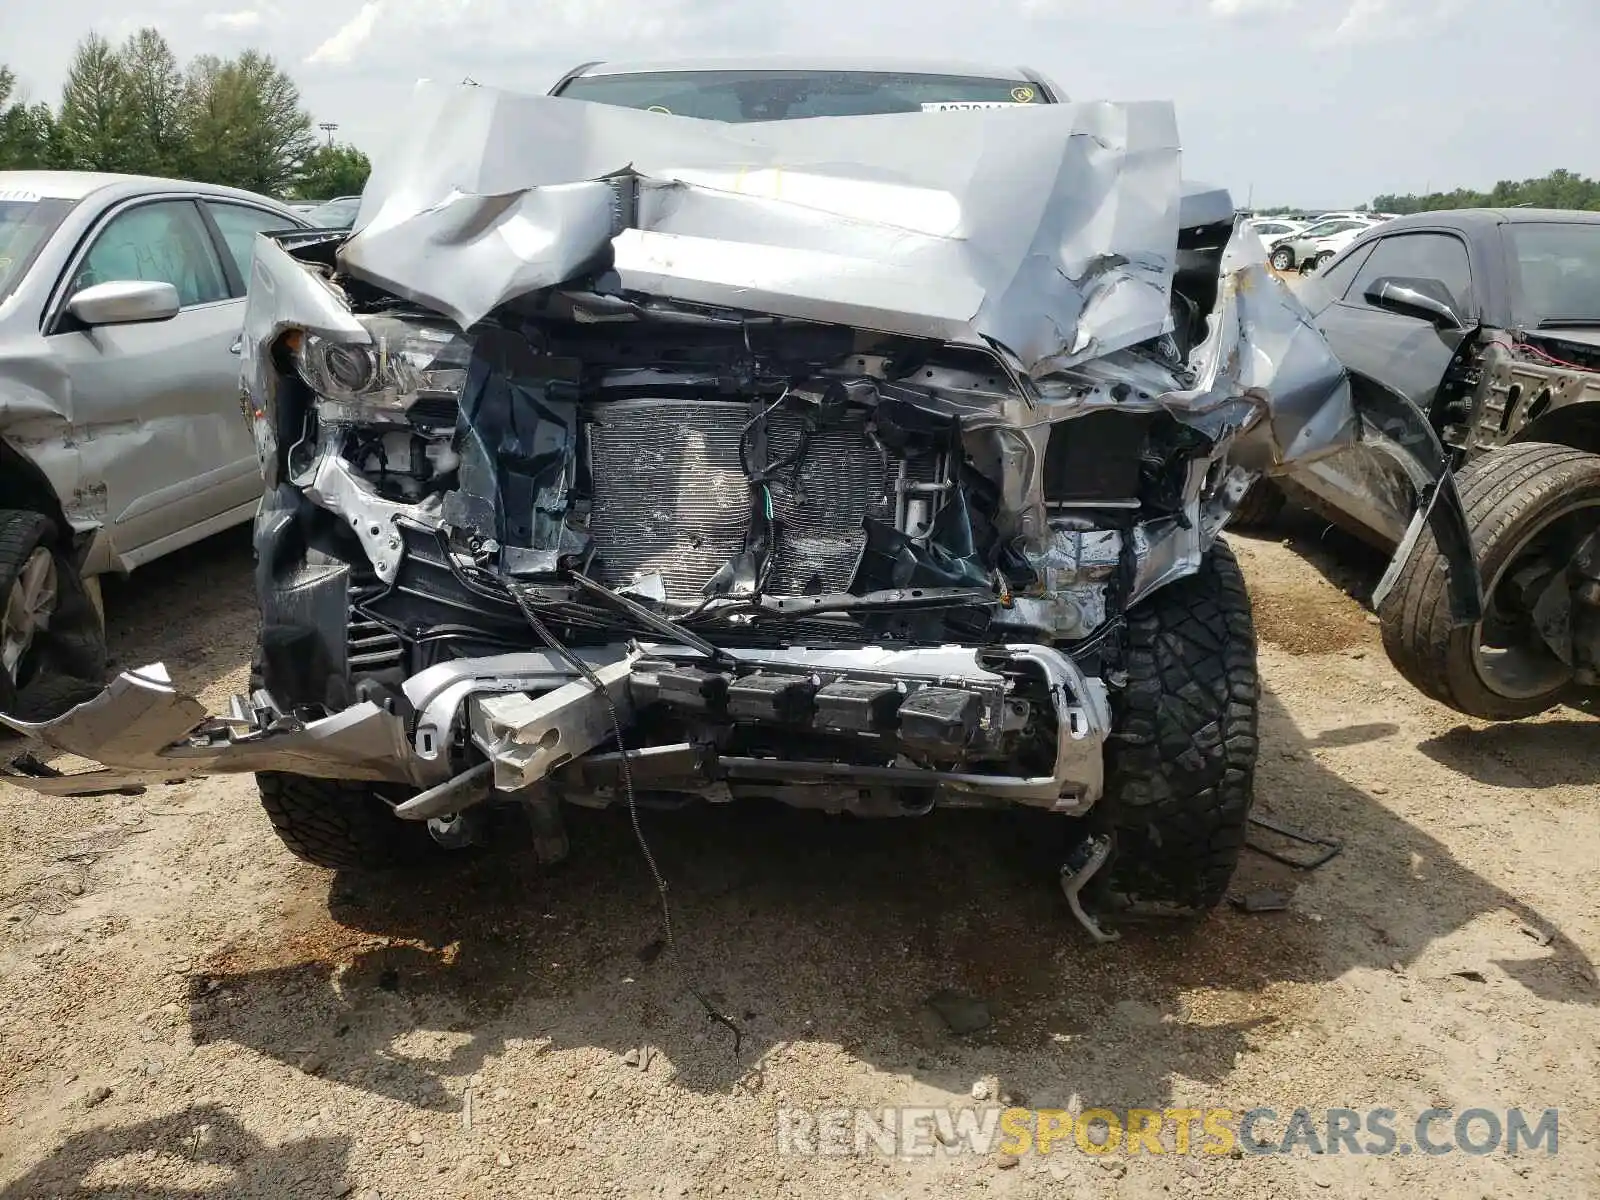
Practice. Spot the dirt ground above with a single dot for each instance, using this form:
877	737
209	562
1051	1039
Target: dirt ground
186	1010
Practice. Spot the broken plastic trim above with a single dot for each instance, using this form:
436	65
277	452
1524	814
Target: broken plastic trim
1439	505
146	732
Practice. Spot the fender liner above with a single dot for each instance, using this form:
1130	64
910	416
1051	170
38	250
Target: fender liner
1439	508
24	485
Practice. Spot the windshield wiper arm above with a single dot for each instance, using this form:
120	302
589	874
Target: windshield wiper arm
1569	323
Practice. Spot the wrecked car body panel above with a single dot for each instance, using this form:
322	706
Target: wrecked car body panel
876	222
114	471
155	734
127	433
806	458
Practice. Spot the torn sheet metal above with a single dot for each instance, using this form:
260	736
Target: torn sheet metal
529	714
145	730
1050	232
285	295
1047	236
938	392
1264	372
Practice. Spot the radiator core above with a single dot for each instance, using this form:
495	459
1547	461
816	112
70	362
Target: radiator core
670	494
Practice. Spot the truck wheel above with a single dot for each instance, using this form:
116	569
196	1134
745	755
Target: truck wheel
342	824
52	649
1182	757
1528	507
1260	507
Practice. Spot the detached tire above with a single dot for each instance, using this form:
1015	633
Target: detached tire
341	824
1181	761
1510	495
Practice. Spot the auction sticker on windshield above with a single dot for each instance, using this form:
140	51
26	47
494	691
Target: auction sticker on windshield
962	105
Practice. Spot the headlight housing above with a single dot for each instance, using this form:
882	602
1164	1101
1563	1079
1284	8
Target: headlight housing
408	360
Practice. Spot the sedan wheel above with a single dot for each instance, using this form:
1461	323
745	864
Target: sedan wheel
1283	259
28	609
52	648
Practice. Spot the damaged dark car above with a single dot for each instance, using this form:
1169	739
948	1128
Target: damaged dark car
1485	322
873	462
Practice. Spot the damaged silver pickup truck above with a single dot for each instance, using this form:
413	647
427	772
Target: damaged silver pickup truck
867	463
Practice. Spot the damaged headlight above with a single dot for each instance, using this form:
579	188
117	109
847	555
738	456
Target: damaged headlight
407	361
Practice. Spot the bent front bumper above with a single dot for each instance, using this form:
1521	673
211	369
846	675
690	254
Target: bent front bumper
537	722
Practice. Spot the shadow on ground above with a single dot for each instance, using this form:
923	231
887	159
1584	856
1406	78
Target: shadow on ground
1518	754
800	928
1550	753
1348	563
804	927
194	609
207	1137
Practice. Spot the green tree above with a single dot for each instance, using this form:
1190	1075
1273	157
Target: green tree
1559	189
245	123
208	117
330	171
154	93
98	132
26	130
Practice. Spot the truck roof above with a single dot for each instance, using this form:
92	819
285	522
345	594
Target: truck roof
794	62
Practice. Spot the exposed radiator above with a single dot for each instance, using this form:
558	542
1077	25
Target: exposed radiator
671	496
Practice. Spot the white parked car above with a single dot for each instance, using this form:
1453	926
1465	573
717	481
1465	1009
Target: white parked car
1317	243
1272	229
1325	249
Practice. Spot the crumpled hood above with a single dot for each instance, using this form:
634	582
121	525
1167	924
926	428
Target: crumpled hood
1049	232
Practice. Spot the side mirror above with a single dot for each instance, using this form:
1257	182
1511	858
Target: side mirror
1412	298
125	302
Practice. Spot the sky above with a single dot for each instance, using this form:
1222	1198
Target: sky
1313	103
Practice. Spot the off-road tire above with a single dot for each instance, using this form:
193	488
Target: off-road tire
342	824
1181	760
1260	508
66	663
1507	493
1287	257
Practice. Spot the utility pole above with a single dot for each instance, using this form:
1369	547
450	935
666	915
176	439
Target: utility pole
328	127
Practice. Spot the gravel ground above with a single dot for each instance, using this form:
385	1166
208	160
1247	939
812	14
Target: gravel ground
189	1011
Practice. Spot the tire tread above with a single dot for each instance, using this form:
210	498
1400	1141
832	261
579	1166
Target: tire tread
1181	764
340	823
1501	492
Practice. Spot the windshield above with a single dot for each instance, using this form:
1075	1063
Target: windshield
787	95
335	214
1558	270
26	223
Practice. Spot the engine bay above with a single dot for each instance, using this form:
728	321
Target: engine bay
753	479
